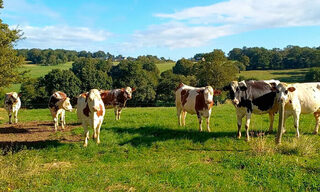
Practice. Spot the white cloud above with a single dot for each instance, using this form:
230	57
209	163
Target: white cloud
197	26
62	37
271	13
178	35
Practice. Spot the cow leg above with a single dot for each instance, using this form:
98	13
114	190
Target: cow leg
316	116
179	116
86	135
200	122
116	112
63	119
208	124
10	120
239	123
184	114
247	126
98	131
271	119
296	116
56	123
119	113
15	116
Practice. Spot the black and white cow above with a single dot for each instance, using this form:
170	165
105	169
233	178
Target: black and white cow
258	97
12	105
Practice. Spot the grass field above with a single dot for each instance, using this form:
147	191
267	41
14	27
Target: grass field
147	151
290	76
165	66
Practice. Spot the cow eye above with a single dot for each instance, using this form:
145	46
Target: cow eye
286	92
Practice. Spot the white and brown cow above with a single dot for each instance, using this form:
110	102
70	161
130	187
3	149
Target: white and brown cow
116	99
295	99
195	100
58	104
90	111
258	97
12	105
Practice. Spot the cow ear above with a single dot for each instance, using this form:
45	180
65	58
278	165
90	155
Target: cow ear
133	89
122	89
273	87
19	95
291	89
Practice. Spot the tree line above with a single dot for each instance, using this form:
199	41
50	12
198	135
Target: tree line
152	88
59	56
290	57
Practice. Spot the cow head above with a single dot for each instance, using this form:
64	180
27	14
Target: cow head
236	90
283	92
208	94
66	105
127	92
94	100
12	98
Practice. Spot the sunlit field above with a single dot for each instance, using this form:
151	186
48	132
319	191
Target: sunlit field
147	151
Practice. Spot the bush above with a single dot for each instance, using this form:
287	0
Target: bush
93	73
313	75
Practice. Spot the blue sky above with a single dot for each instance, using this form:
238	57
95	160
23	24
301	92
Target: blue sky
169	28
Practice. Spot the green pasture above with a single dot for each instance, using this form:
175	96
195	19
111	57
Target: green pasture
147	151
165	66
288	75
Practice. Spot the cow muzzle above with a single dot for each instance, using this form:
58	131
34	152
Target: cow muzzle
235	102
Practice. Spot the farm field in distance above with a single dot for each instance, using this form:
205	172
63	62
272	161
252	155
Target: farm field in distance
291	75
147	151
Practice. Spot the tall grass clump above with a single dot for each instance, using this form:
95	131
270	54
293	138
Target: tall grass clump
303	146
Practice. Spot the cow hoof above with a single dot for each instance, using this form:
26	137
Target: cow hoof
315	132
85	145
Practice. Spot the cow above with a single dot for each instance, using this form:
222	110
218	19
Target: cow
116	99
91	111
12	104
195	100
295	99
58	104
252	96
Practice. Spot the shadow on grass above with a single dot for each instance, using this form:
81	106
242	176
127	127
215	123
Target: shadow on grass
15	146
154	133
291	76
13	130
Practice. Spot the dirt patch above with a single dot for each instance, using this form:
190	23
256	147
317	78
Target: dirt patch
35	131
34	134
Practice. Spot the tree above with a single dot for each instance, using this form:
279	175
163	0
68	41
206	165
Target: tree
313	75
34	94
216	70
61	80
93	73
183	67
168	83
132	73
9	61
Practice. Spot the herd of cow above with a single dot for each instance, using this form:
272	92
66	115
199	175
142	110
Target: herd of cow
258	97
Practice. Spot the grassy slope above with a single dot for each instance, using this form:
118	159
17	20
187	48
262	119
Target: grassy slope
291	75
165	66
36	71
147	151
